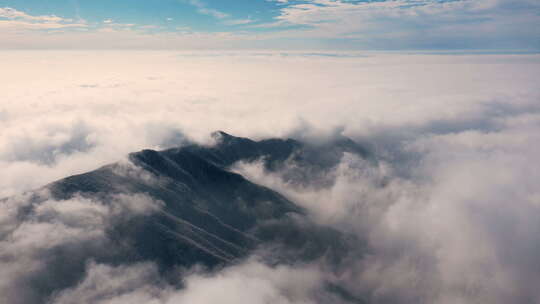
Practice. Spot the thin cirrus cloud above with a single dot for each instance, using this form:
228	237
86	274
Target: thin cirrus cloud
202	8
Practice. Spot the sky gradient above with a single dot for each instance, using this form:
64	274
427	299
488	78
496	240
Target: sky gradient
480	25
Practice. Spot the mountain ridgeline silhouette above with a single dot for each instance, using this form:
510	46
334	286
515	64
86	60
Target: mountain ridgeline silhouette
208	215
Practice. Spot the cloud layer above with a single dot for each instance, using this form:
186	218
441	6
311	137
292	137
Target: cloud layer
448	214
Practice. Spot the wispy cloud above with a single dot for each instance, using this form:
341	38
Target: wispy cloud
226	18
311	24
11	13
404	23
11	18
204	9
238	21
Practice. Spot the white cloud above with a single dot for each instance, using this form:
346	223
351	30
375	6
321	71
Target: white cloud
456	136
249	282
460	228
36	240
122	284
18	20
22	31
389	25
11	13
122	102
422	24
205	10
239	21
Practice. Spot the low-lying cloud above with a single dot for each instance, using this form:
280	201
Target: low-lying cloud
44	242
449	211
460	227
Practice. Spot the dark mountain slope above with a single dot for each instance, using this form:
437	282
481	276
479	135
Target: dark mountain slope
230	149
209	215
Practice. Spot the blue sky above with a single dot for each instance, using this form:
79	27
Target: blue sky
272	24
201	15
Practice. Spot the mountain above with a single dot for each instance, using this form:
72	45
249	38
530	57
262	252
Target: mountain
207	215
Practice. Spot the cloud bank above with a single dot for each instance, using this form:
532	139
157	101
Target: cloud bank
449	212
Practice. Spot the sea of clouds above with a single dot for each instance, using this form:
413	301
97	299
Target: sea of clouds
449	213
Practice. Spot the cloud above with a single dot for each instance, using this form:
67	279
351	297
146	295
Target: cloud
121	284
422	24
446	231
44	242
60	128
25	31
11	13
249	282
12	19
205	10
239	21
508	25
447	214
226	18
119	36
44	146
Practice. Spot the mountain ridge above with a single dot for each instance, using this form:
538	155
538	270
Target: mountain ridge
208	215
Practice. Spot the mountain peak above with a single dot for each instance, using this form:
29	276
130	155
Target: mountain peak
205	213
221	135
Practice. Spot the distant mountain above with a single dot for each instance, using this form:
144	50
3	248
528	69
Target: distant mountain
210	215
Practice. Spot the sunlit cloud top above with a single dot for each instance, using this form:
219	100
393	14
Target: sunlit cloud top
492	25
